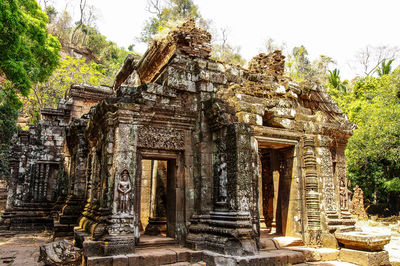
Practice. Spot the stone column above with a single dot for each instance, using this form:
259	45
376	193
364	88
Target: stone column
312	195
229	227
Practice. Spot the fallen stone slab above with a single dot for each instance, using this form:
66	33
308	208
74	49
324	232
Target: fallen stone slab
367	241
364	258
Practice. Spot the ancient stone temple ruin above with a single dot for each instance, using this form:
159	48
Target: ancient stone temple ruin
189	150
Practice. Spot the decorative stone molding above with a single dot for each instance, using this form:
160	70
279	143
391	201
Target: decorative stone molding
160	138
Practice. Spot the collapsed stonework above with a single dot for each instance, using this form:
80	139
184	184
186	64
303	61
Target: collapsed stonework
39	179
222	156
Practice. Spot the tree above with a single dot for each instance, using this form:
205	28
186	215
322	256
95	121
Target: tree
370	58
385	68
165	13
224	52
299	67
9	106
373	153
28	54
72	70
335	82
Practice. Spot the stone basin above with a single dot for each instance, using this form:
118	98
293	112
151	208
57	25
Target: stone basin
367	241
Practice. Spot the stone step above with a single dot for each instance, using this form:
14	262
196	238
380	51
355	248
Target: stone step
341	222
200	263
149	256
184	256
156	243
269	257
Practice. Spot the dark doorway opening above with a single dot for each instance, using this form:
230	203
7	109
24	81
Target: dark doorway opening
157	195
276	163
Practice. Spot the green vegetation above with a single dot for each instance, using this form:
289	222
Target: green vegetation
28	54
72	70
165	14
100	60
373	152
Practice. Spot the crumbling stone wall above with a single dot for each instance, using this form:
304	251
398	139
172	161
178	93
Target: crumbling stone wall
357	207
38	177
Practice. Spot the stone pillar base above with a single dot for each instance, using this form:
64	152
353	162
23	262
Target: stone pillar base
224	232
156	226
364	258
111	245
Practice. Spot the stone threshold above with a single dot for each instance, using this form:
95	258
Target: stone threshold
185	256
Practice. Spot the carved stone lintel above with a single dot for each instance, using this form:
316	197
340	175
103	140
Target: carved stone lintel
160	138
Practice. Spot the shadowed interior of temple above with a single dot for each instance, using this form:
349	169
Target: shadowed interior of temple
156	180
276	162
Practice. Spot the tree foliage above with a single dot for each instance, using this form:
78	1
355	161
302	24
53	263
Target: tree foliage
165	12
9	105
368	59
334	83
299	67
72	70
28	53
224	52
373	152
385	67
100	60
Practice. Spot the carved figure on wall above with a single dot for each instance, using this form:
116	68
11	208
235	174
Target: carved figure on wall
124	187
223	180
343	195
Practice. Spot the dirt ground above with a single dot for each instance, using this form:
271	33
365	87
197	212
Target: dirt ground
22	249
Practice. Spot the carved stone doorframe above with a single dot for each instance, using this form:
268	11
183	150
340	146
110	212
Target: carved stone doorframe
264	142
175	183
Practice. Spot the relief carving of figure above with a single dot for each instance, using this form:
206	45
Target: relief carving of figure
223	180
124	187
343	195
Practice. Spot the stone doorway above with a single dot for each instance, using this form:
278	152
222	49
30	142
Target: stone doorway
157	204
275	172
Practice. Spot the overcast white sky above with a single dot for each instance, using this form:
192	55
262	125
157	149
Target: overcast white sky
335	28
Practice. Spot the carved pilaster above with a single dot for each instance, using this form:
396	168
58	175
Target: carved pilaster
341	176
312	195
